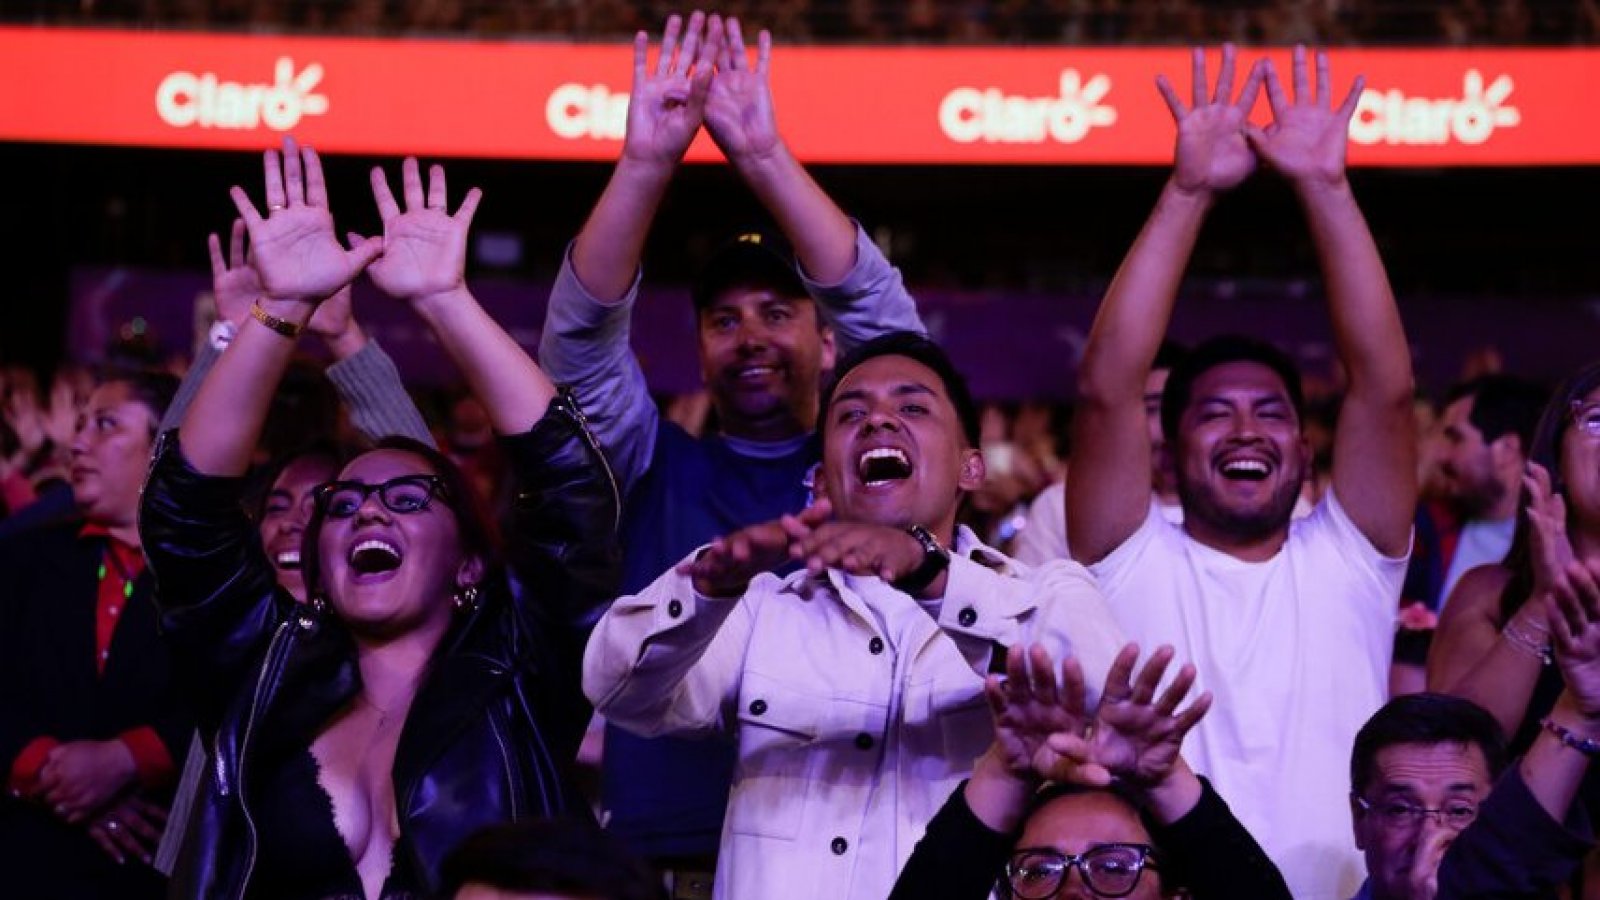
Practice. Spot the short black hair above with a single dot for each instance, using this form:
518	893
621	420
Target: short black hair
919	348
151	388
1502	405
1217	351
1168	355
757	259
1426	719
549	855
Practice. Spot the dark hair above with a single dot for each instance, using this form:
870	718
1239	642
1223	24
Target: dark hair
1426	719
478	534
1501	405
1053	791
549	855
151	388
1168	355
323	449
921	349
1544	449
1217	351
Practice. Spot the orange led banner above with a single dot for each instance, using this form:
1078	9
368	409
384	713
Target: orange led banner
990	105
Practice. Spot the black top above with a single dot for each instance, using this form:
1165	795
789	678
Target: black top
1207	850
302	854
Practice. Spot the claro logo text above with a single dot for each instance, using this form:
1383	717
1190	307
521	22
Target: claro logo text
206	100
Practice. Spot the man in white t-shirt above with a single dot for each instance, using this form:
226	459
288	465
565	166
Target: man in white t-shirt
1289	625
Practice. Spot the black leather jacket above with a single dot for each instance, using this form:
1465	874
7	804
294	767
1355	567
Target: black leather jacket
495	723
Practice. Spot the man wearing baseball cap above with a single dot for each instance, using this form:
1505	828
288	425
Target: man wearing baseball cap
770	321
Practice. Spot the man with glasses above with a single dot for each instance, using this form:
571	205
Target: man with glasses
1420	768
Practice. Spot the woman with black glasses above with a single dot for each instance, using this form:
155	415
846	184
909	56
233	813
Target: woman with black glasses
358	738
1122	814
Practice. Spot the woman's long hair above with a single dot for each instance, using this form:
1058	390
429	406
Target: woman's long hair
1546	451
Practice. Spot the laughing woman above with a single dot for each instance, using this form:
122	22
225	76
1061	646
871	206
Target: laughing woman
358	738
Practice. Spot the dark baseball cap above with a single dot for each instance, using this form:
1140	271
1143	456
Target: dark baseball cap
752	258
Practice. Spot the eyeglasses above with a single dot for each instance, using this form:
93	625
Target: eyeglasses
1457	814
1110	870
405	495
1586	416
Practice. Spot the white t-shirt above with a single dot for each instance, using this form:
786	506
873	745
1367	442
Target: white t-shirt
1296	651
1044	532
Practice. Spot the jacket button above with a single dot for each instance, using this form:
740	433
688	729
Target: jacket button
967	616
675	609
864	741
875	646
758	707
840	845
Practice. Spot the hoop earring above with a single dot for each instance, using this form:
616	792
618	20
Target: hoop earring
466	599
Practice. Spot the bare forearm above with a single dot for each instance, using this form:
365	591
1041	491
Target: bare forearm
1366	322
1174	796
608	249
224	422
823	237
1553	771
502	376
1133	317
1502	682
996	797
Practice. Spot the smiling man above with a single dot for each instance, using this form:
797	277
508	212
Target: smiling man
1290	625
770	314
1421	767
853	687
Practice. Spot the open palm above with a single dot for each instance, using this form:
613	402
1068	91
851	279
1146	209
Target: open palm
293	249
1134	738
1307	139
1212	154
424	247
1030	706
739	105
666	107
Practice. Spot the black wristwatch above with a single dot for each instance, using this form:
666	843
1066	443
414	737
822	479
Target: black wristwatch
935	559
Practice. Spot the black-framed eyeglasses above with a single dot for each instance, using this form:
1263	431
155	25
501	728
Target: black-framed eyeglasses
1397	813
405	495
1110	870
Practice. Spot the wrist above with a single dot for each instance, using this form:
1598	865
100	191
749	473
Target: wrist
435	305
1199	198
1320	188
643	171
296	312
347	343
1569	714
762	164
1175	795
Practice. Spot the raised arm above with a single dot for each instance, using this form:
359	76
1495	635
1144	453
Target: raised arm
584	344
1108	494
665	111
860	293
300	264
739	116
1374	459
424	263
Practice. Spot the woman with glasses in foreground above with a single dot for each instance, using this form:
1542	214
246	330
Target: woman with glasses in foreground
358	738
1122	816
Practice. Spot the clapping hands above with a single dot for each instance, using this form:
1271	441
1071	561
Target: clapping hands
1043	729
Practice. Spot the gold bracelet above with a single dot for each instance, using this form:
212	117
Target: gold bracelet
282	326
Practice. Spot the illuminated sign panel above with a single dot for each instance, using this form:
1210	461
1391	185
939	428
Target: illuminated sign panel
886	105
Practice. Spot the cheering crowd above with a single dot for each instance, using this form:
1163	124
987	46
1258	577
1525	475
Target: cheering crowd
1204	664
